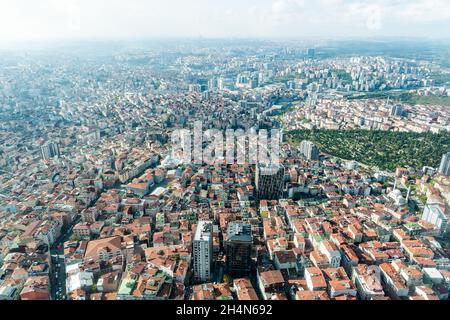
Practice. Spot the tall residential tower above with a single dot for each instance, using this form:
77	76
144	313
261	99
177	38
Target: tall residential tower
444	168
309	150
202	251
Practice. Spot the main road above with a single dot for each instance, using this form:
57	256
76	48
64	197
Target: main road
58	272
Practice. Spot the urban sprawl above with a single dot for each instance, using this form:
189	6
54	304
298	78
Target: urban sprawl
95	205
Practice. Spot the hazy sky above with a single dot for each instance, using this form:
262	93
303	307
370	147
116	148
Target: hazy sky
83	19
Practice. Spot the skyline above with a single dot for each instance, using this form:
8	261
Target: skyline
51	20
145	161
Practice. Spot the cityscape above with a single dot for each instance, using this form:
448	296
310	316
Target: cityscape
97	203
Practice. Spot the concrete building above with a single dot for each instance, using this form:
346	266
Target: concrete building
368	281
309	150
202	251
444	168
434	214
269	181
238	247
50	150
396	110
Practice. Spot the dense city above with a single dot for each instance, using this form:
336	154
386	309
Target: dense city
95	205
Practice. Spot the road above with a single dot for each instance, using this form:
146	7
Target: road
58	274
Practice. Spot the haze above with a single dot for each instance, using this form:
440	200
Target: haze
29	20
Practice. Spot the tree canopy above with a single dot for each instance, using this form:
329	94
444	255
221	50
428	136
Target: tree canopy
384	149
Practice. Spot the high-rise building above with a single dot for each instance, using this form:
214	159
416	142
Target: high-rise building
396	110
435	214
444	168
203	251
309	150
213	84
269	181
254	82
311	53
238	248
50	150
195	88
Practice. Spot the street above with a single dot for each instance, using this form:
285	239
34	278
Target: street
58	272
